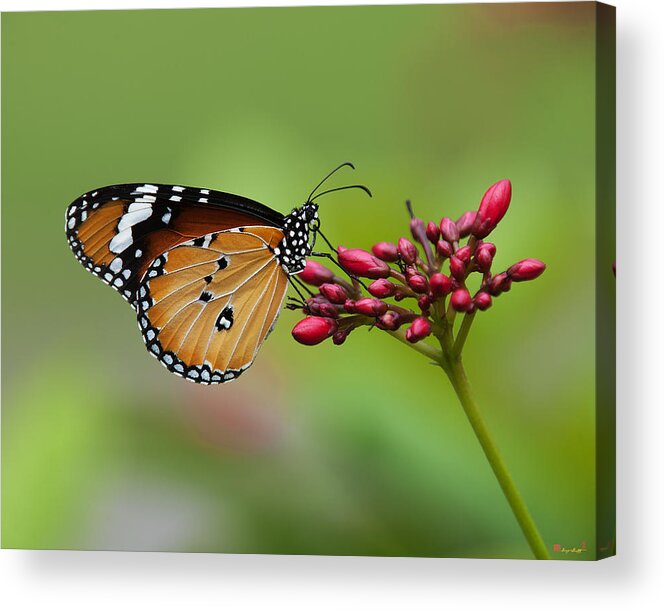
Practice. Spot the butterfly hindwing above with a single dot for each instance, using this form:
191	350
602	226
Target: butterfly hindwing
206	305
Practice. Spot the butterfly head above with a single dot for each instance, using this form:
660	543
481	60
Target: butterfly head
310	212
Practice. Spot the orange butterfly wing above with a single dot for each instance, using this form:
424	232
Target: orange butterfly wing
206	306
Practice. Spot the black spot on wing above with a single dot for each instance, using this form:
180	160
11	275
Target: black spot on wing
225	319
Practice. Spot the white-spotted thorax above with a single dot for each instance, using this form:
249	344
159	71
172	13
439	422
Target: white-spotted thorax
296	246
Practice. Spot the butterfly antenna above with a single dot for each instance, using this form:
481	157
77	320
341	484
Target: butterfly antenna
343	188
345	164
327	241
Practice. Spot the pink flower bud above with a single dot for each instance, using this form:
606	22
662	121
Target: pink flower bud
349	306
444	249
334	293
528	269
312	330
419	329
328	310
424	302
461	300
385	251
407	251
382	288
340	336
432	232
371	307
417	283
417	227
457	268
484	255
390	320
482	301
500	283
440	285
487	245
319	306
465	222
464	254
362	263
493	207
315	273
449	230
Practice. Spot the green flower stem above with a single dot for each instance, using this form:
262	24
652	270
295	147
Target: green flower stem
449	360
458	378
465	327
423	348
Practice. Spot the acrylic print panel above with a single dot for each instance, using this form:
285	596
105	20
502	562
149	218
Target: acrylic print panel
341	438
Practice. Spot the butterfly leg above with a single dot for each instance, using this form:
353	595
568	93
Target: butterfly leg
296	279
318	232
303	298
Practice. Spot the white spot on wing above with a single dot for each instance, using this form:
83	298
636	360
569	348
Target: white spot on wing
147	188
133	217
121	241
139	205
144	199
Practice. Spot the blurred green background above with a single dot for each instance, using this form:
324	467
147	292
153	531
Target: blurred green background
361	449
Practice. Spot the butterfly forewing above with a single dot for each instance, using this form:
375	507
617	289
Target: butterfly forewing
116	232
206	305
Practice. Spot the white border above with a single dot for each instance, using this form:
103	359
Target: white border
74	580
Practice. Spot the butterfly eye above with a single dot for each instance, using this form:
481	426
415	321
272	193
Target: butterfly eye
311	213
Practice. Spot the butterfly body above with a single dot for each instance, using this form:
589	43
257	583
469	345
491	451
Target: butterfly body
205	271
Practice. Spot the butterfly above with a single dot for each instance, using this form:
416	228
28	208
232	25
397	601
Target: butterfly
206	271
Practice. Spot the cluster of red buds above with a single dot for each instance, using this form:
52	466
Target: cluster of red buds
417	282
